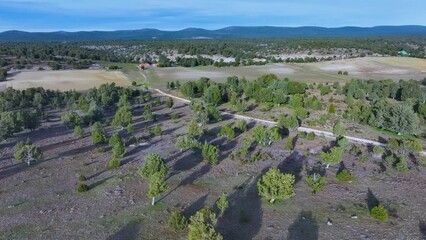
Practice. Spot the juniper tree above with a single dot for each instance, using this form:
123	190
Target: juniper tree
153	164
276	185
157	186
203	226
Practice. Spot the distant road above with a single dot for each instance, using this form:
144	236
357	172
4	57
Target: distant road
300	129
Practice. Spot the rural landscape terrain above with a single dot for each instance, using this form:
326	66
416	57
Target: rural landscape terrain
291	137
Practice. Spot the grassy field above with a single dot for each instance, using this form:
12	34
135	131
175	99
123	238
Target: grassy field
364	68
66	80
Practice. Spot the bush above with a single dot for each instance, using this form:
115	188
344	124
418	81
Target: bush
98	133
153	164
81	187
169	102
339	129
174	116
380	213
344	176
310	136
156	130
289	144
378	150
78	132
241	125
290	122
194	131
402	165
227	131
82	178
27	152
210	153
316	182
114	163
177	221
276	185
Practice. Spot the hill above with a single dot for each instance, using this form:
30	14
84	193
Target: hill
223	33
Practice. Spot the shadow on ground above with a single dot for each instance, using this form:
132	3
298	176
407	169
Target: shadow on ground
304	227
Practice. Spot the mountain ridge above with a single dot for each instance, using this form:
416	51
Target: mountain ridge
222	33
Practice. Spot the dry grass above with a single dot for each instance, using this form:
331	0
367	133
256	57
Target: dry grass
66	80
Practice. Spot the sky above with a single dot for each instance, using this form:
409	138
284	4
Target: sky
77	15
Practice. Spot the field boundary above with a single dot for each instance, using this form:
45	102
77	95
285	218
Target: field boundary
300	129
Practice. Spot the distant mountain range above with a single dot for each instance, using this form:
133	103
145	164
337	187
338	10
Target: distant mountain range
223	33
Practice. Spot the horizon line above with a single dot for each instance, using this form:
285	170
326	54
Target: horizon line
201	28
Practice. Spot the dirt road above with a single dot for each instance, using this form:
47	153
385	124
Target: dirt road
300	129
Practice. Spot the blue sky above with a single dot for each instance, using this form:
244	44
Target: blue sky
74	15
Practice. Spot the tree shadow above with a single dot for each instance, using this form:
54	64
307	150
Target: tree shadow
195	206
96	175
293	164
243	218
187	162
304	227
100	182
128	232
10	171
372	200
422	228
79	151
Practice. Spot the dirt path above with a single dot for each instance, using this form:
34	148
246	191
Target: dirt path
300	129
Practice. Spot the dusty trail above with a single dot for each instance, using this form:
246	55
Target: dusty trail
301	129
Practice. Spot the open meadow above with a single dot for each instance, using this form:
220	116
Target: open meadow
66	80
322	72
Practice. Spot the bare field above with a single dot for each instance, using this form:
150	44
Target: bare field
66	80
364	68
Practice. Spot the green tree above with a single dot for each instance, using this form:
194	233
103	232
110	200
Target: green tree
380	213
169	102
194	130
157	186
339	129
202	226
130	128
153	164
276	185
222	203
331	109
289	121
98	133
156	130
78	132
123	117
332	157
316	182
27	152
177	221
3	74
118	148
227	131
114	163
212	95
241	125
210	153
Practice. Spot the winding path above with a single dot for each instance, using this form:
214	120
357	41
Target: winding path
301	129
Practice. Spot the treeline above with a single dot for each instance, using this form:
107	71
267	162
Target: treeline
243	49
394	106
25	109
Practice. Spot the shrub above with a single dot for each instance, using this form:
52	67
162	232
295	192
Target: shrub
310	136
332	157
174	116
27	152
276	185
194	130
363	158
81	187
316	182
378	150
82	178
402	165
210	153
114	163
153	164
380	213
290	121
156	130
241	125
169	102
289	144
98	133
130	128
331	109
78	132
222	203
177	221
202	226
344	176
227	131
339	129
184	142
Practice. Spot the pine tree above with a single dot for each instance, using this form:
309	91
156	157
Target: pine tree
276	185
